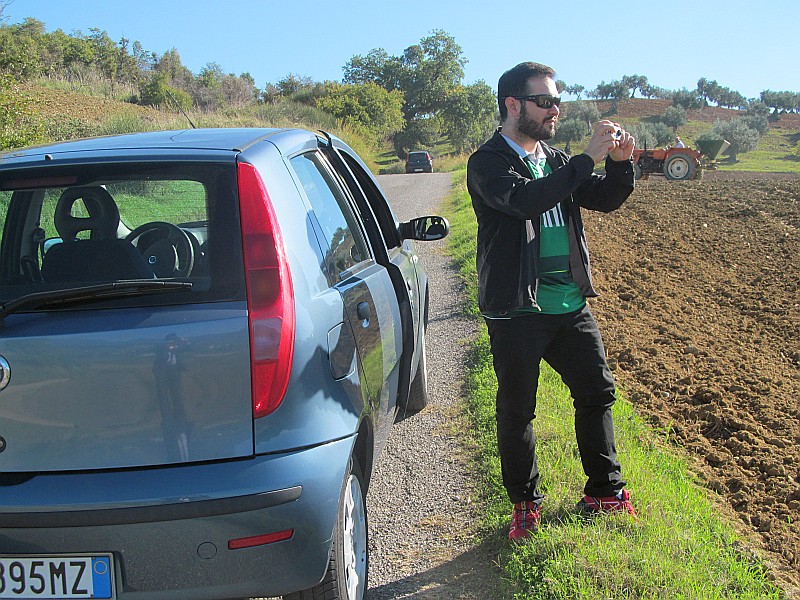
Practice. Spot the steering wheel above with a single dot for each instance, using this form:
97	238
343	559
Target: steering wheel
167	248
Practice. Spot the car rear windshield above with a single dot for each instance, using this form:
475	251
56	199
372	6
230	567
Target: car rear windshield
418	157
83	225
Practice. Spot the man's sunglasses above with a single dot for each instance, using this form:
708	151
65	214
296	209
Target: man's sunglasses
541	100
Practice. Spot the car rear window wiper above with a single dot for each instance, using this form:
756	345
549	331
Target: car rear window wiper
100	291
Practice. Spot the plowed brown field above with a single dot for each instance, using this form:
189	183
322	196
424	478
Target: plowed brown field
700	309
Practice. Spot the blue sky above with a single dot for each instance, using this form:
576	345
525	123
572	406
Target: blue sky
744	45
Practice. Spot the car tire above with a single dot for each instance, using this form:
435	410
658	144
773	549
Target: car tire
348	567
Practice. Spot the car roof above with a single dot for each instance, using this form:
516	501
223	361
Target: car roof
212	139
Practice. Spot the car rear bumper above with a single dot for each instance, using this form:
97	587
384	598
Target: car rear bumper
178	546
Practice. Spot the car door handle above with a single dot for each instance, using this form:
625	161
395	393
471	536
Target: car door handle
362	310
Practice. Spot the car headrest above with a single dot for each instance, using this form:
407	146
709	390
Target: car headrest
103	219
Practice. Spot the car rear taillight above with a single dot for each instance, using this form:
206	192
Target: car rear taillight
270	298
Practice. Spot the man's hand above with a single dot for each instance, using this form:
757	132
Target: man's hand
609	139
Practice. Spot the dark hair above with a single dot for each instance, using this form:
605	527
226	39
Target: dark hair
514	82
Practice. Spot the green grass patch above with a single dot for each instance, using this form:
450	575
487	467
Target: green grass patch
683	544
775	154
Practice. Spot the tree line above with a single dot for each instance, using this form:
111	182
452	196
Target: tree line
414	99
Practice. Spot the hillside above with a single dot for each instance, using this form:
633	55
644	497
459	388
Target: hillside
642	108
96	110
92	110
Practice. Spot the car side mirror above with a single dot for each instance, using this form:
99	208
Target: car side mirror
426	229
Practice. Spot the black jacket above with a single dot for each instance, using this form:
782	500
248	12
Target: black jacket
508	204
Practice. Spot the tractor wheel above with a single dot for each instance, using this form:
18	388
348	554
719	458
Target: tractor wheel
637	171
679	167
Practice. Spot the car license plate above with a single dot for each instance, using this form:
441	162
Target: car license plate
418	170
64	576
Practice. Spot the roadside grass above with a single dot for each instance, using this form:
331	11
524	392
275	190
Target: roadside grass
91	84
684	543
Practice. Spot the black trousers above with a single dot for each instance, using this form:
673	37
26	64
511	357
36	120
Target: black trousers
572	346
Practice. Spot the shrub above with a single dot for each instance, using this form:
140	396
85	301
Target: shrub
740	135
19	123
652	135
59	128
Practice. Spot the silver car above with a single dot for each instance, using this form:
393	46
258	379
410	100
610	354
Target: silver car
205	338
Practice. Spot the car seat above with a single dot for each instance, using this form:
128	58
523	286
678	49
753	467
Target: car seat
102	257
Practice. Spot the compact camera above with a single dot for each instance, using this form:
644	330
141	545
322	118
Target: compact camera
617	132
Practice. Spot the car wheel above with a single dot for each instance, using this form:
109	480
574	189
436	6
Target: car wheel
346	577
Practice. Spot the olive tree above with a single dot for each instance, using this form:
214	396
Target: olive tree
780	101
651	135
739	134
687	99
582	111
570	130
576	90
635	82
615	91
674	117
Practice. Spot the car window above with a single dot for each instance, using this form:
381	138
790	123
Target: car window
5	198
376	200
140	202
79	225
346	244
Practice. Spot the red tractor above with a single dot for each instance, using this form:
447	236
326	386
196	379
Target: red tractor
677	164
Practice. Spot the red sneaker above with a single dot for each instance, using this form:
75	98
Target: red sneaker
524	521
619	503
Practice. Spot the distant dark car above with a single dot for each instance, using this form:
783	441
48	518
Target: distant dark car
205	338
419	162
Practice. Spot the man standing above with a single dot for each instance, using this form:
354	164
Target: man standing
534	277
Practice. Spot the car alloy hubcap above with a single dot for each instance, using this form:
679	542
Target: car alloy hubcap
355	540
5	372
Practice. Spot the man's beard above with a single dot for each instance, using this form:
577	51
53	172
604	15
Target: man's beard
534	130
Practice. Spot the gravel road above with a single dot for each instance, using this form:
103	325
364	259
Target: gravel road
421	502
